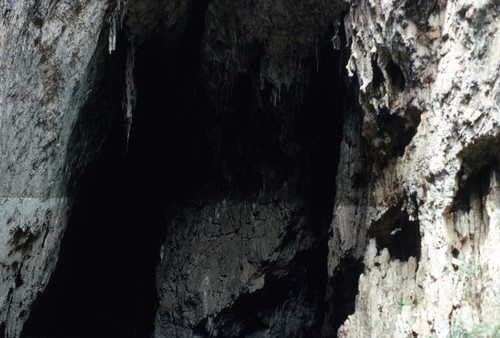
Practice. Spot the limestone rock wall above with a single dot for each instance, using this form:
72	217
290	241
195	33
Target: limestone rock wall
428	74
67	65
215	257
46	52
417	188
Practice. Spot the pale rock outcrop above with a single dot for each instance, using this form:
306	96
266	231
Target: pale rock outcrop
46	51
427	69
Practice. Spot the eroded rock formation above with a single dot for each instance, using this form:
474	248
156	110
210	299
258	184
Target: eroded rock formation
429	90
249	168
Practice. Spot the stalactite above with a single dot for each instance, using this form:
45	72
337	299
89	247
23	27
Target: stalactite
116	22
130	91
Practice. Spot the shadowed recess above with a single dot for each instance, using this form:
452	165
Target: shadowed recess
398	233
105	283
343	289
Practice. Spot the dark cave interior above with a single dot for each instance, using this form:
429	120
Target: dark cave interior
104	283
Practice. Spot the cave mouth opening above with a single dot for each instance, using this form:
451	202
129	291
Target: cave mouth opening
105	283
317	131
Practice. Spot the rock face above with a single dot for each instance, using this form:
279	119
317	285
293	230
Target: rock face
48	51
249	168
427	221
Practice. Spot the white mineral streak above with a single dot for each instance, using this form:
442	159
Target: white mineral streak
116	22
451	65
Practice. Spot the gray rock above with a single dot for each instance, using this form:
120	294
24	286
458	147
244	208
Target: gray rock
46	51
244	252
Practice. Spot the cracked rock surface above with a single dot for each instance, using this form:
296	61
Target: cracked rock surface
274	168
428	75
46	58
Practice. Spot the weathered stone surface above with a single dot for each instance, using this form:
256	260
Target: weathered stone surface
227	249
418	183
431	70
60	91
46	51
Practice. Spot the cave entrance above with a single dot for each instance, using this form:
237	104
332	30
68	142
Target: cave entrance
105	283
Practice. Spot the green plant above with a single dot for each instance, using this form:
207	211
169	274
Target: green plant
403	303
395	231
496	331
459	329
471	268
